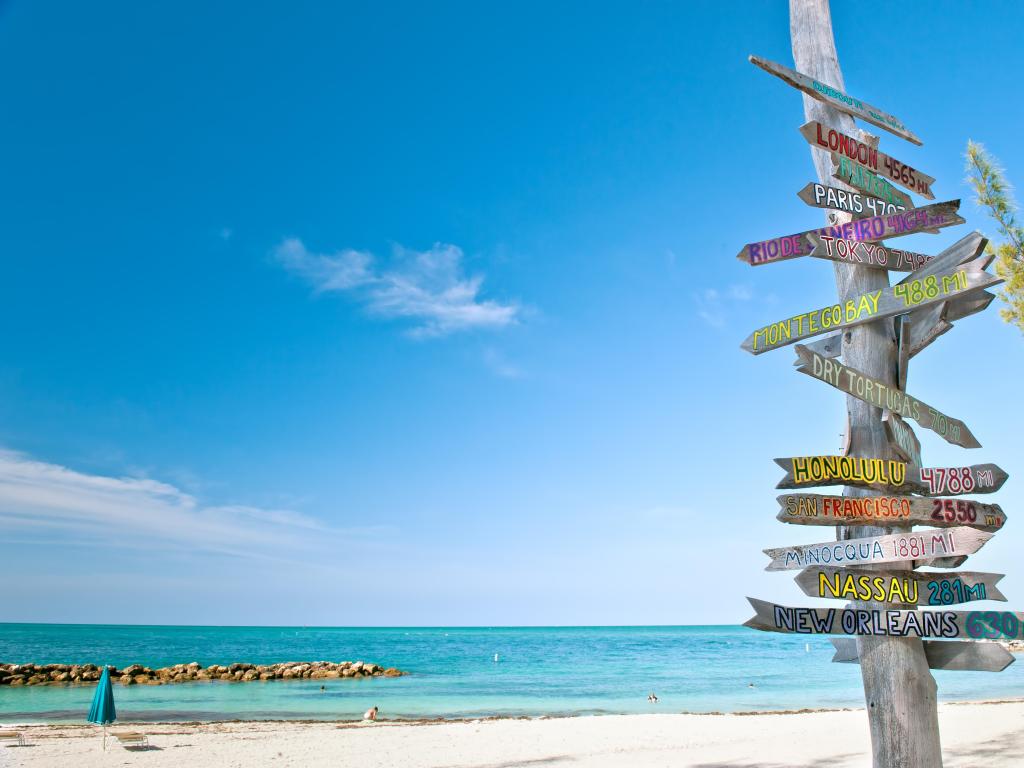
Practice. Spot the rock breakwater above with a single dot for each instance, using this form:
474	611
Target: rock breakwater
137	674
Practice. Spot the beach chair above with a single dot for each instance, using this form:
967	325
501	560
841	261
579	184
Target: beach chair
13	736
131	739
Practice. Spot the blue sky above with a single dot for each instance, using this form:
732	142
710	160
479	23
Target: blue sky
323	314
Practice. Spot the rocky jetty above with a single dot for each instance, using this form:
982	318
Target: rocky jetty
136	674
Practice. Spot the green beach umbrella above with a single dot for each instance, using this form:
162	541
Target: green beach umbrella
102	711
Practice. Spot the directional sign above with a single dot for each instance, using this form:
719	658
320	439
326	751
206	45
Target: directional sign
874	392
889	475
965	306
980	478
814	471
927	323
872	550
934	216
834	199
963	655
883	585
859	177
862	252
902	438
836	98
873	305
974	625
812	509
940	562
841	145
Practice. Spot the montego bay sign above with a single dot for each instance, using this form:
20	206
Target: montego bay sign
873	305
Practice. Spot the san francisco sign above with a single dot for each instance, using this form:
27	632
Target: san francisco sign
836	98
874	392
892	586
892	548
976	625
839	144
813	509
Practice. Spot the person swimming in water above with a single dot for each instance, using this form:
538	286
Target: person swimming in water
652	698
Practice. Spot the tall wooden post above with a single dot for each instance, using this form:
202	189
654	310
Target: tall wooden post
899	690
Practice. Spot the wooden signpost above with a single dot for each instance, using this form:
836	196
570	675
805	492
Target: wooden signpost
889	475
901	298
836	98
863	252
892	548
859	177
902	438
832	198
874	228
839	145
874	392
886	585
812	509
927	323
877	328
962	655
896	622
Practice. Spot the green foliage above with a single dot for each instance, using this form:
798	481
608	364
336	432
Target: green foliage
993	192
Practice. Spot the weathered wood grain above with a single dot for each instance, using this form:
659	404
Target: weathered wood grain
840	145
902	438
834	199
872	229
889	475
857	310
940	623
862	252
834	97
863	179
899	692
813	509
961	655
874	392
887	585
903	326
927	322
873	550
965	306
940	562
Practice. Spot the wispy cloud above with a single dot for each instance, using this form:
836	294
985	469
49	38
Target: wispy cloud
428	287
500	366
713	305
39	497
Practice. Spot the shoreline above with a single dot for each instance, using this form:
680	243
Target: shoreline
973	734
441	720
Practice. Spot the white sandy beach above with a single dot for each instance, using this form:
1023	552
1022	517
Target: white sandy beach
990	734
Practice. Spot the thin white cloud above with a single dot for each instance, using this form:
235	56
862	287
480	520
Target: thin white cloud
37	496
428	287
713	306
500	366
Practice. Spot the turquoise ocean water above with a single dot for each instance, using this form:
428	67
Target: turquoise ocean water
540	671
